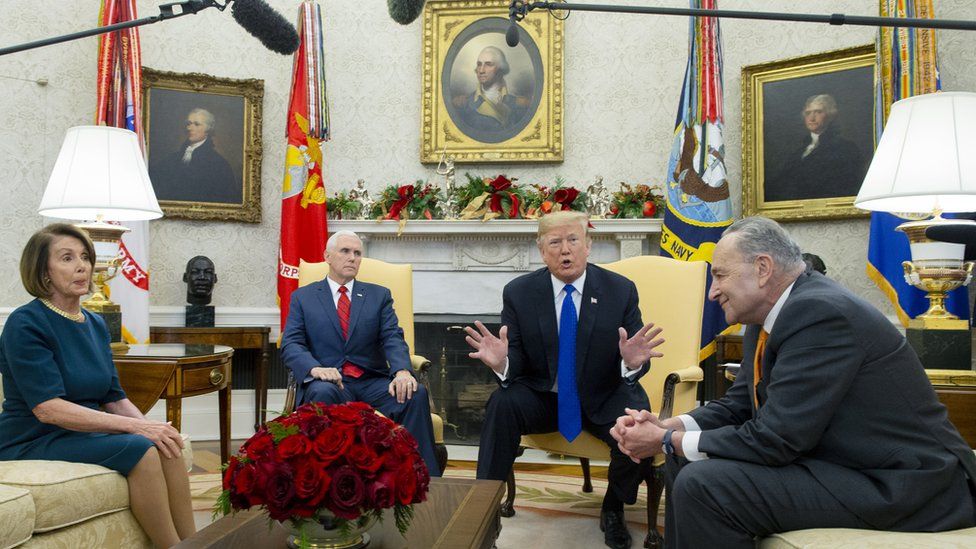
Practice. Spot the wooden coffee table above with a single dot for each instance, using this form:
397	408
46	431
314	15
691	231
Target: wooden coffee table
457	513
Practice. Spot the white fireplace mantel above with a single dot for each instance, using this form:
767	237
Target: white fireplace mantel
496	226
630	237
460	267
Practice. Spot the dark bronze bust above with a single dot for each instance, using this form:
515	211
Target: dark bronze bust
200	278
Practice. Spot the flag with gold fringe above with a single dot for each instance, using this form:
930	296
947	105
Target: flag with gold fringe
119	104
906	66
698	205
303	224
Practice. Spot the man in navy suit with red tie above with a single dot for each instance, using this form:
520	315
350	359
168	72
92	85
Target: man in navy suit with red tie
343	343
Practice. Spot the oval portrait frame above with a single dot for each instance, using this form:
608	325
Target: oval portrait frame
490	31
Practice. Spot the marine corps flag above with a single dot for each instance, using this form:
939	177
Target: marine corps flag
906	66
698	192
119	104
303	225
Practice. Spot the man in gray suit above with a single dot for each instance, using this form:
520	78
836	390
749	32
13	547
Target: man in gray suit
835	424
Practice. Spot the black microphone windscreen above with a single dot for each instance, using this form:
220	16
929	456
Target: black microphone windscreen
405	11
512	35
959	234
267	25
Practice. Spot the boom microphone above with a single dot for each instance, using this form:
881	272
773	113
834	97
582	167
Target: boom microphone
405	11
956	231
267	25
516	12
512	34
959	234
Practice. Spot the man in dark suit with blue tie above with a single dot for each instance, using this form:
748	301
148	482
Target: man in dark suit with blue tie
831	422
343	343
568	356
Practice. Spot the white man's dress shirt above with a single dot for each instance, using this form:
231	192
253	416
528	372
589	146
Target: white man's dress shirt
559	293
188	153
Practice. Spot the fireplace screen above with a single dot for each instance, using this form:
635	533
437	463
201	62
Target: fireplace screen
459	385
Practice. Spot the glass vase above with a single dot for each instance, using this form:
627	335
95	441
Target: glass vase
330	532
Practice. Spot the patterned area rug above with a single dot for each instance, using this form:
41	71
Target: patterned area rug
551	510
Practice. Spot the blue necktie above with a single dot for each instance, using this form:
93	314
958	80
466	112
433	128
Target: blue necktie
570	417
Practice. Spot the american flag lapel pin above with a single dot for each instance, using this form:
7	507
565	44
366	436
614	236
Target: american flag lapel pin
593	300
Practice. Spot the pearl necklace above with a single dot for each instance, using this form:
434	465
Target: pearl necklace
77	317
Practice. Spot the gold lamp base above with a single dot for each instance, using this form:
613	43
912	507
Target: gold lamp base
106	237
937	282
936	268
110	312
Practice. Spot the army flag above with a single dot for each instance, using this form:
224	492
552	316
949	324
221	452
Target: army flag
906	66
119	104
698	205
303	225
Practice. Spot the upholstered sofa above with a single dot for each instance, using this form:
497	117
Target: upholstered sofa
849	538
56	504
846	538
69	505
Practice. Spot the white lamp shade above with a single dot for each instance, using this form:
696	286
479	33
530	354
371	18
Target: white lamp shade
926	157
100	171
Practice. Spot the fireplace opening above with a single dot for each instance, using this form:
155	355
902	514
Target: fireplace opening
459	385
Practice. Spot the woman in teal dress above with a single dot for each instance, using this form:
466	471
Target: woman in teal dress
62	399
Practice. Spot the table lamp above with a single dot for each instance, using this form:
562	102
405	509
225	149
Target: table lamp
101	174
925	164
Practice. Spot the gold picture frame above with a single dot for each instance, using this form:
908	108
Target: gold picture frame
525	125
220	178
785	176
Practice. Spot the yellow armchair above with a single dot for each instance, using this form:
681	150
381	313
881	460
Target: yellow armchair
399	279
672	295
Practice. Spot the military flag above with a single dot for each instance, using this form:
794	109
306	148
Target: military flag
303	225
906	66
698	202
119	104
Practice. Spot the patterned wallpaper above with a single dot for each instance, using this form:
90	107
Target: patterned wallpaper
622	80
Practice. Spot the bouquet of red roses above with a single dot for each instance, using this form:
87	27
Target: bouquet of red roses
344	460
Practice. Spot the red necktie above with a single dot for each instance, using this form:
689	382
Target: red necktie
757	365
343	309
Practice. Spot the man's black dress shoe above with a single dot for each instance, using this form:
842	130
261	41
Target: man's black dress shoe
614	529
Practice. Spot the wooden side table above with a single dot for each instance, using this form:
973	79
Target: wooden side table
171	371
728	349
254	338
957	390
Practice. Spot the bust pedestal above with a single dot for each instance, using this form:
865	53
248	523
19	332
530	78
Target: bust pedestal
941	344
199	316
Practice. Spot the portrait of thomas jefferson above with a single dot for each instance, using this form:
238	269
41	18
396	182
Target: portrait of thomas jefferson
195	171
491	90
824	163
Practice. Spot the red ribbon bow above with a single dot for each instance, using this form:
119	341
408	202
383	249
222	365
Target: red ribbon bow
406	195
499	187
565	197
